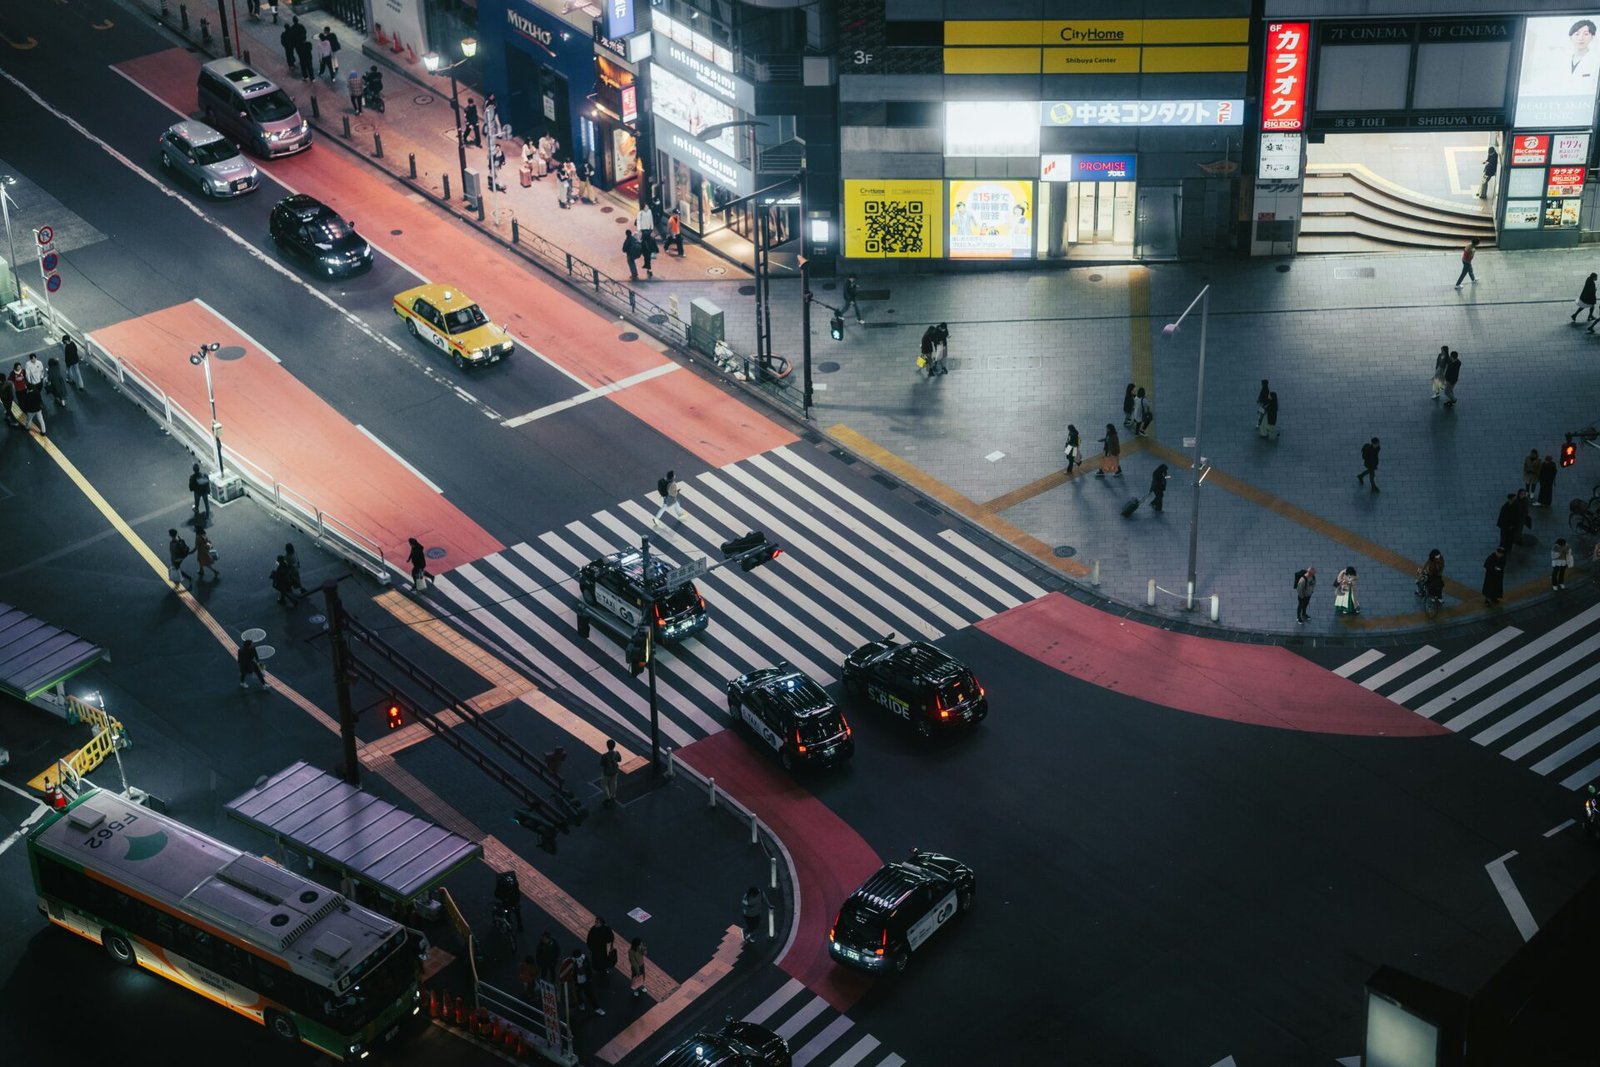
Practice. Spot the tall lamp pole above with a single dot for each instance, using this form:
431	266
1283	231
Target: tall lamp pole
203	358
1170	329
469	48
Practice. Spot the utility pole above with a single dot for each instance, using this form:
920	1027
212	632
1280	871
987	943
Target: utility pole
650	658
341	681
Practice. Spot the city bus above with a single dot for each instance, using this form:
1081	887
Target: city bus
277	948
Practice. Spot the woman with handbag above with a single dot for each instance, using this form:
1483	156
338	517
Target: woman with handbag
1344	601
1111	458
1073	448
205	553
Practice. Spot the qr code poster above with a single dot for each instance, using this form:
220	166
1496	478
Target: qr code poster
893	219
991	220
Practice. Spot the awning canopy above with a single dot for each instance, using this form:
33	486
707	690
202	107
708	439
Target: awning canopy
355	833
35	656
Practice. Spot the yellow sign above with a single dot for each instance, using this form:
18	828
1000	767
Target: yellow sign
893	219
1085	60
1098	33
1214	58
1001	60
991	220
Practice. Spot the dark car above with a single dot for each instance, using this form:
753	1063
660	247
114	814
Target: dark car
311	230
616	584
736	1044
792	715
922	684
895	911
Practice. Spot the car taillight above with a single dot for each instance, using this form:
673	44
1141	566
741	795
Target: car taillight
881	949
657	608
702	601
798	745
846	725
835	926
943	713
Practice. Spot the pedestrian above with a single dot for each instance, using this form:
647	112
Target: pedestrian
1585	300
647	249
1143	413
32	404
1344	599
527	977
1467	252
1530	471
250	663
1158	486
1452	375
637	954
19	381
1269	418
602	944
1506	521
291	559
1524	506
1261	402
34	372
610	767
200	489
646	219
471	125
583	978
357	87
273	4
325	56
56	382
491	118
8	400
669	489
1369	463
1128	405
1305	587
1440	362
1494	576
282	583
546	957
564	185
935	346
508	894
418	558
1111	453
630	248
302	49
1560	560
675	234
1073	448
73	362
205	555
286	38
1491	167
1547	481
1433	576
177	552
753	907
586	180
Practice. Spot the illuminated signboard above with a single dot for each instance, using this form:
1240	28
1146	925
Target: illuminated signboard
722	169
1055	168
1530	150
703	74
991	220
630	104
893	218
1141	113
691	110
1560	71
1569	148
1102	168
1565	181
1283	95
620	18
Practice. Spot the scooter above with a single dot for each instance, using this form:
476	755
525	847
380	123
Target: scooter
372	96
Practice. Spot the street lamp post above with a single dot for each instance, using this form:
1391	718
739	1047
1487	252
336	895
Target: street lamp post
1171	328
469	48
202	358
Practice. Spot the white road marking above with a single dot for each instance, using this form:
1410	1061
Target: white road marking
798	1021
1516	687
1006	573
857	1053
1466	659
1510	661
1361	662
1560	725
591	394
764	1010
398	458
1501	877
265	351
817	1045
1554	830
1395	670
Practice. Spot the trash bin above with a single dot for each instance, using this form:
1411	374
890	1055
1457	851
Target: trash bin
706	327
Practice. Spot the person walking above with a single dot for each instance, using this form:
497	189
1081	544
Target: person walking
1467	252
1128	405
291	559
1494	576
1524	506
1073	448
645	220
200	489
1491	167
630	248
33	372
753	907
1560	560
32	404
669	488
1269	418
647	249
1344	599
1508	522
602	943
586	180
1158	486
1261	402
1440	362
282	583
1369	463
583	978
177	552
286	39
357	87
1585	300
1452	375
936	346
1305	587
610	768
547	957
1433	576
1143	413
205	555
471	125
851	293
1530	471
303	50
325	56
250	663
564	185
8	400
1111	454
637	954
418	558
72	361
675	234
1547	482
56	382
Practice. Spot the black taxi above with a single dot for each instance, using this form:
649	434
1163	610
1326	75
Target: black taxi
734	1044
922	684
895	911
617	585
792	715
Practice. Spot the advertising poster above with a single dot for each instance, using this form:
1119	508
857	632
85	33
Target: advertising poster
1565	181
991	220
1561	214
1569	148
690	109
1522	214
1560	71
1530	149
893	219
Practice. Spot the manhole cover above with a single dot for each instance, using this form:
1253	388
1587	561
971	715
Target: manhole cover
423	100
229	352
1282	268
717	272
606	209
1355	272
396	233
627	335
436	553
827	366
1065	551
1097	277
318	620
657	319
747	290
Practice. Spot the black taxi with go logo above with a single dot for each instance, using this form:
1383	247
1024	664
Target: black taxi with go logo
897	910
919	682
792	715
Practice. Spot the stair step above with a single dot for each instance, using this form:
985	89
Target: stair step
1334	213
1347	189
1385	189
1317	232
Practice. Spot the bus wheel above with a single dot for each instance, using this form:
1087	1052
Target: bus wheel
119	948
283	1027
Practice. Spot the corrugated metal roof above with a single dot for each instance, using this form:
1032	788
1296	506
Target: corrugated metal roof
35	655
342	827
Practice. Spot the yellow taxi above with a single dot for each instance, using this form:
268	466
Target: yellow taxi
452	322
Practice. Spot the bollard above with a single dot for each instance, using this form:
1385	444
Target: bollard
316	108
711	786
377	144
1216	606
569	263
446	179
772	923
411	158
244	57
772	878
755	830
1150	593
516	235
347	127
1094	574
480	209
596	272
672	763
183	18
205	31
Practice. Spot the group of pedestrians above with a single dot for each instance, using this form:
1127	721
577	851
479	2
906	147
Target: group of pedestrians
586	970
1137	410
1446	373
23	391
1267	412
1345	601
647	238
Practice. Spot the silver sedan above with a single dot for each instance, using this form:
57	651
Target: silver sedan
208	159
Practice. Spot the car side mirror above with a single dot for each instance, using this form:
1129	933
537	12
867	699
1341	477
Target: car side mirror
243	115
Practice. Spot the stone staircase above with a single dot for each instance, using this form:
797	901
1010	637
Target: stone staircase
1348	208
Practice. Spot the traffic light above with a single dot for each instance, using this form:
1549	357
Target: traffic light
836	328
752	540
395	717
751	550
1569	453
638	650
768	553
546	831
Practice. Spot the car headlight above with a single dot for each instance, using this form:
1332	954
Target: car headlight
221	185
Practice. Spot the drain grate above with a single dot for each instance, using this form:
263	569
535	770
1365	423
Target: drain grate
929	508
1346	273
886	481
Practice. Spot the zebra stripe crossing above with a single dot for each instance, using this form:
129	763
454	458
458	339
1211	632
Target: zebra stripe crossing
795	1014
851	571
1533	698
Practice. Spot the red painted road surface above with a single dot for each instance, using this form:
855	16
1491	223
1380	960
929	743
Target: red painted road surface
387	503
830	858
1264	685
705	419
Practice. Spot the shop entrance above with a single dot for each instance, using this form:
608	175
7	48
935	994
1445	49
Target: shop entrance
537	99
1372	192
1087	220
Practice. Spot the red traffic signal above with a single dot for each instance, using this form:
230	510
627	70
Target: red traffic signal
396	718
1569	453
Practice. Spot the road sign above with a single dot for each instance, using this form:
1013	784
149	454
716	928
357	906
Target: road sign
49	260
695	568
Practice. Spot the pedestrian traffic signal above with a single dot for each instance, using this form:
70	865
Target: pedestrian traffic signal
638	651
396	718
1569	453
546	830
836	328
751	550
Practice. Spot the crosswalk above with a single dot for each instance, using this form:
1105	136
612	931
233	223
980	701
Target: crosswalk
1534	698
818	1035
851	572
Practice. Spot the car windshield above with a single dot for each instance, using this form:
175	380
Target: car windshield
218	151
679	599
328	227
271	107
467	318
815	729
857	927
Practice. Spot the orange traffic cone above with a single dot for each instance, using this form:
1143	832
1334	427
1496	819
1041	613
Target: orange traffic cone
522	1048
494	1028
461	1011
510	1038
433	1004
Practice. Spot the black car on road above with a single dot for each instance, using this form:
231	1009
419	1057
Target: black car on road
619	585
792	715
735	1044
310	230
917	681
897	910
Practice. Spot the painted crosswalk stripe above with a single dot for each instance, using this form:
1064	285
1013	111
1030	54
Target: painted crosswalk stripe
802	1018
891	1060
766	1008
858	1052
819	1044
1454	666
950	537
1582	777
1395	670
1528	712
1569	719
1360	663
1508	662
